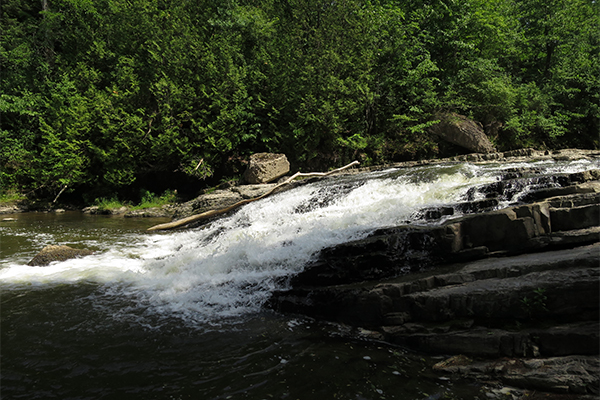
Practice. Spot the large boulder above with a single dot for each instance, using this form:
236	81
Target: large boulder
57	253
461	131
266	167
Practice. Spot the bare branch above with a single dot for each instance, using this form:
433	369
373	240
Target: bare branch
58	195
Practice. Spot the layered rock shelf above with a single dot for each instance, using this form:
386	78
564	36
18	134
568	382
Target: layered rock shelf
515	291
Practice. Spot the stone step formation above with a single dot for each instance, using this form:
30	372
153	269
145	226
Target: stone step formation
512	289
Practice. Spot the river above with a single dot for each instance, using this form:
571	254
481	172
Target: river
180	315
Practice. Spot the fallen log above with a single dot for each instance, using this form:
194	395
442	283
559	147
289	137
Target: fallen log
212	213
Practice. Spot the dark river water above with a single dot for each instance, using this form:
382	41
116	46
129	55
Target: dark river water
74	337
180	315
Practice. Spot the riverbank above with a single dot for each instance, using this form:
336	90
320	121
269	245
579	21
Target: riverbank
233	191
120	209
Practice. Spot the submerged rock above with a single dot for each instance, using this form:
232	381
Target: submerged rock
57	253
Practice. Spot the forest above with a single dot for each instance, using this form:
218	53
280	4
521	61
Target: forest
108	97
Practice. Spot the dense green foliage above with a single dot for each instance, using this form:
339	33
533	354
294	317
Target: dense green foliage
96	94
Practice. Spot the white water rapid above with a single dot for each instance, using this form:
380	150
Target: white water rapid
230	267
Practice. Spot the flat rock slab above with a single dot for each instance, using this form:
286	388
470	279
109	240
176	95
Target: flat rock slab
488	288
565	292
572	374
479	341
214	200
252	191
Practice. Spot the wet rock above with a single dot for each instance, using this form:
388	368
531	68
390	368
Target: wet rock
384	254
567	294
560	284
95	210
522	281
395	251
542	308
471	207
567	219
57	253
481	341
509	188
266	167
539	187
569	375
555	223
432	213
478	341
214	200
153	212
568	239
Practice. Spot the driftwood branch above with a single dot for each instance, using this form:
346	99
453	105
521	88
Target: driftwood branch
199	164
58	195
211	213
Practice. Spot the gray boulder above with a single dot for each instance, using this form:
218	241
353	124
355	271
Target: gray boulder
461	131
266	167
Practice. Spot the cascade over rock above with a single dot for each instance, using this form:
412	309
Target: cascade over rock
230	193
520	282
397	250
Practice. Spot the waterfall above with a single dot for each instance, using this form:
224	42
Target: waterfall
230	267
